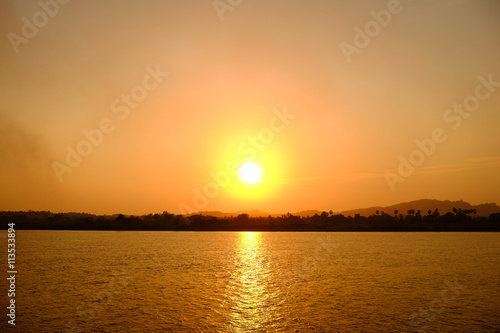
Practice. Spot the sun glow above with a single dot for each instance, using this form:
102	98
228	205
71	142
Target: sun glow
250	173
252	180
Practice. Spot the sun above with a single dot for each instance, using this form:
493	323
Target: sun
250	172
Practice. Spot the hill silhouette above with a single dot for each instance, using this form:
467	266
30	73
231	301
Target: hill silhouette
251	213
422	215
424	205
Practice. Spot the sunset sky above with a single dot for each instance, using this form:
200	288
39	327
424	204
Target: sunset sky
173	94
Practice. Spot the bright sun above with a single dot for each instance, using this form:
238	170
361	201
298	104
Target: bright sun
250	173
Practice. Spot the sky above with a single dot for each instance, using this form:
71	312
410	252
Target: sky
141	107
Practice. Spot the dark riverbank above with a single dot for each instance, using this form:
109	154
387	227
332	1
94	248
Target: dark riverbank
413	221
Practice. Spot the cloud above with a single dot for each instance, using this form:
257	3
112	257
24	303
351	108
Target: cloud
485	162
339	178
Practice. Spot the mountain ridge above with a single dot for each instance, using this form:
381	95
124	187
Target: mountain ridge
423	205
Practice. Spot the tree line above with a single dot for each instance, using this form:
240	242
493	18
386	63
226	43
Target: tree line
456	220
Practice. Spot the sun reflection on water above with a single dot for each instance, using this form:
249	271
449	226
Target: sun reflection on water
251	285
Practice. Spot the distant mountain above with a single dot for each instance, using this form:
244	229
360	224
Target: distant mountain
306	213
424	205
251	213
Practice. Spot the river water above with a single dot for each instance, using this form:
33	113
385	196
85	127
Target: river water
107	281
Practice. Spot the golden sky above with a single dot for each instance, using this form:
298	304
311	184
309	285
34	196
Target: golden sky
144	106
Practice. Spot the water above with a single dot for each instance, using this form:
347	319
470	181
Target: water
105	281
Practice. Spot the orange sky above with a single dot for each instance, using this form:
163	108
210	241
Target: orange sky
179	90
